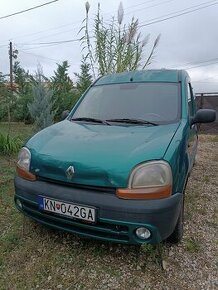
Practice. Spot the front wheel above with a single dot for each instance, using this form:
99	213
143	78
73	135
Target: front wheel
177	234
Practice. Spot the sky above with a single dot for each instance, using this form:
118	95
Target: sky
189	34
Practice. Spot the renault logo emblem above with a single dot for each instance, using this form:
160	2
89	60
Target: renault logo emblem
70	172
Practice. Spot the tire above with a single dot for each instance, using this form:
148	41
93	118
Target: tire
177	234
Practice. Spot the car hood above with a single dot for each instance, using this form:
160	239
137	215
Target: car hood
101	155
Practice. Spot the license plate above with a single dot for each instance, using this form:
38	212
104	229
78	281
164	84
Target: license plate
67	209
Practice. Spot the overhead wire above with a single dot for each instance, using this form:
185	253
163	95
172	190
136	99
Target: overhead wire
72	29
28	9
147	7
179	13
206	64
72	23
40	56
128	7
152	21
42	31
49	44
194	62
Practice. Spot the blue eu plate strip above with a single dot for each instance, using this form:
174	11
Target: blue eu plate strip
40	202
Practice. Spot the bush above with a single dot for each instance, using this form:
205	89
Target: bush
41	107
9	145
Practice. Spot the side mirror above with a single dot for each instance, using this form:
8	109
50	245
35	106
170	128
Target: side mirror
204	116
65	114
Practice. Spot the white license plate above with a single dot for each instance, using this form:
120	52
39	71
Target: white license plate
67	209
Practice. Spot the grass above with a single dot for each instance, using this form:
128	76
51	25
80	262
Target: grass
192	245
19	130
9	145
215	138
35	257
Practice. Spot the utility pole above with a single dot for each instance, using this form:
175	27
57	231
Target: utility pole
12	54
11	84
11	64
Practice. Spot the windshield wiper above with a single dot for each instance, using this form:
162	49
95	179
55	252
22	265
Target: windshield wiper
132	121
87	119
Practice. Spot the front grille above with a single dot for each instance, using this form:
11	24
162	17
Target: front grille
79	186
100	230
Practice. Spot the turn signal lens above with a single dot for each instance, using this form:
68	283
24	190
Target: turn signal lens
145	193
25	174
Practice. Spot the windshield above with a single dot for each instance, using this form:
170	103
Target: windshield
154	102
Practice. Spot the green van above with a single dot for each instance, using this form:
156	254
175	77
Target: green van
116	167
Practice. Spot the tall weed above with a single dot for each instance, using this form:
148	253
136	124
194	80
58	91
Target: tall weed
9	145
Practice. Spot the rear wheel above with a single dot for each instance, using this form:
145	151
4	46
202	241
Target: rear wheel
177	234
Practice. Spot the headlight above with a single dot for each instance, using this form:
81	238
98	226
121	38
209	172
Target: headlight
151	174
150	180
23	164
24	158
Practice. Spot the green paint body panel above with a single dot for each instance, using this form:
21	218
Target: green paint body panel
101	155
173	76
104	156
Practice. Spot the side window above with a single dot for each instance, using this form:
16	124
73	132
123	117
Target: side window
190	101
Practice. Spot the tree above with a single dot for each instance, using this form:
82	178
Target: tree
23	92
41	107
115	47
4	97
62	87
84	79
7	99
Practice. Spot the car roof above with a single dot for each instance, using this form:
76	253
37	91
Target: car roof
160	75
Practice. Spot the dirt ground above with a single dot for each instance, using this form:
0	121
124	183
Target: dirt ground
210	128
34	257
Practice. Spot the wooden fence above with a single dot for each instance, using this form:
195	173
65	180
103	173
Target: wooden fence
208	101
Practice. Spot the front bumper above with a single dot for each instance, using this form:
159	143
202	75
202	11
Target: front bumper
117	219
